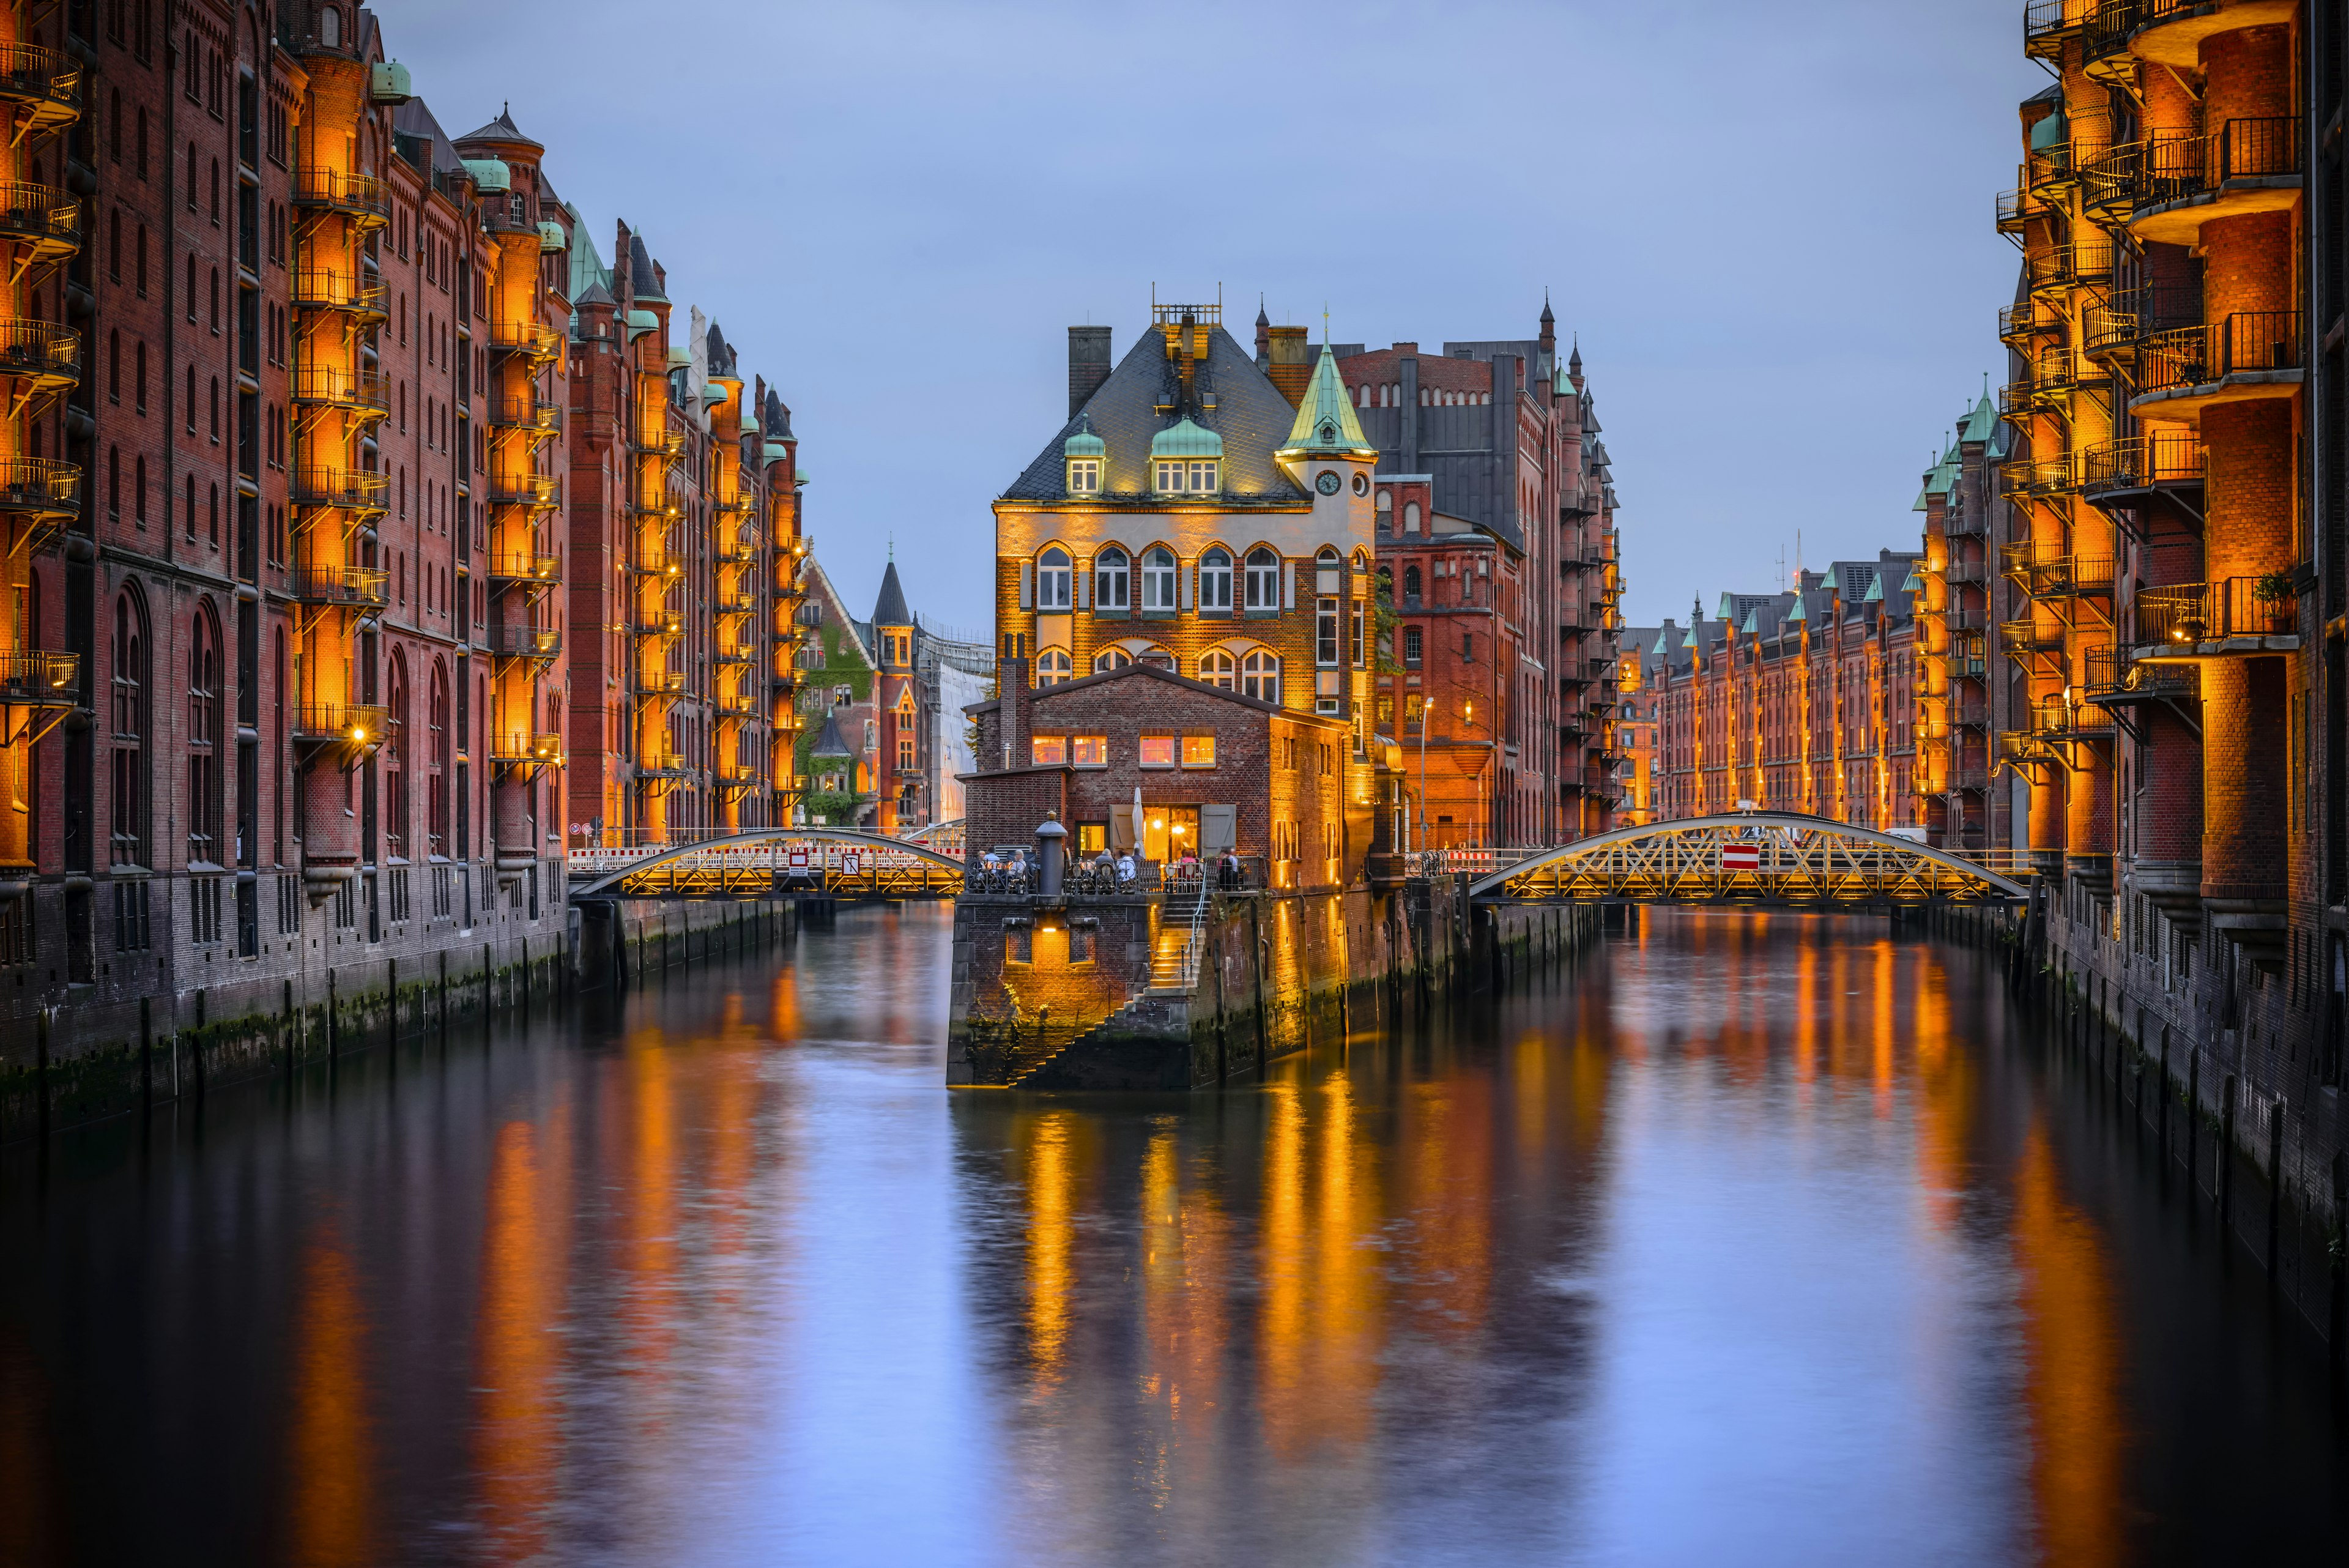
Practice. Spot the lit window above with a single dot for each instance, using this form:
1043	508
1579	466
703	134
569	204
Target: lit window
1089	751
1216	580
1084	477
1260	676
1051	750
1170	477
1263	580
1111	658
1158	579
1414	707
1052	579
1157	752
1217	669
1203	478
1111	577
1053	666
1198	751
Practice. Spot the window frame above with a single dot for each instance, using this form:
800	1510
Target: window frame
1145	744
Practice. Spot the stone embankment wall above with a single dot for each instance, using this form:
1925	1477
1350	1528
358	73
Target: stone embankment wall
1058	995
80	1066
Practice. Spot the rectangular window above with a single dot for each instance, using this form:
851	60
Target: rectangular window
1203	477
1170	477
1198	751
1084	477
1049	750
1356	635
1325	639
1092	837
1414	707
1089	751
1157	752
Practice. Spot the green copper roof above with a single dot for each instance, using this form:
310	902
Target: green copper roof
1728	606
1326	425
1752	627
1915	585
1691	641
1798	613
490	174
1875	594
1084	443
1181	439
1981	424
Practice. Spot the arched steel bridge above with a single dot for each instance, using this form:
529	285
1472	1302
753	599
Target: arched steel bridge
1750	857
840	862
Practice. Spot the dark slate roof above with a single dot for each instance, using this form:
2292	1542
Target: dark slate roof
413	119
721	358
828	742
502	129
779	418
1250	415
641	273
596	293
889	609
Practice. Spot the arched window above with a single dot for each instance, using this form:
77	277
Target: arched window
1263	579
1410	517
1260	676
436	763
1052	579
1158	579
1111	658
203	739
1217	668
1110	576
330	27
127	845
1410	582
1216	579
1053	668
394	762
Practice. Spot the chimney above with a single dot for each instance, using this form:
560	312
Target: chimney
1011	714
1292	361
1088	364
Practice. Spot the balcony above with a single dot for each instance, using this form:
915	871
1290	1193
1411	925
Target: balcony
533	751
359	197
2046	23
2060	268
539	492
45	219
2024	636
2014	209
733	654
2020	477
2125	472
2025	748
43	85
669	444
2108	183
737	601
341	489
2049	171
656	564
37	680
343	588
538	643
2018	324
2251	355
2056	722
531	570
533	342
528	415
663	765
738	708
2113	676
2070	576
2241	615
2247	165
349	293
661	626
738	777
1960	573
41	354
359	726
366	392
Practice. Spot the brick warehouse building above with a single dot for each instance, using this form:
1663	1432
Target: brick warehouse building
2175	583
1209	516
287	511
1497	543
1804	700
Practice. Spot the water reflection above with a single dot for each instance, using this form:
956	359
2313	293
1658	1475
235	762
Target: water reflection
1753	1238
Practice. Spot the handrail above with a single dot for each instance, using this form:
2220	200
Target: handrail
40	212
38	485
2141	462
358	723
324	288
37	679
368	585
352	388
354	488
30	73
361	195
2191	613
2246	341
31	347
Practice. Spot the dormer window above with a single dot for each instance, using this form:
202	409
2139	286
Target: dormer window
1188	479
1184	459
1085	453
1084	477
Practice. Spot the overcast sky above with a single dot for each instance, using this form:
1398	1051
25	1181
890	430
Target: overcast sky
1771	225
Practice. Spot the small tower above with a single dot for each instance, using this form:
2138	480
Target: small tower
1549	332
901	753
1327	454
1263	335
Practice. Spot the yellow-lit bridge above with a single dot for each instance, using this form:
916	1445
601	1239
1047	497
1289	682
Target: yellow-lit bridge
1750	857
828	862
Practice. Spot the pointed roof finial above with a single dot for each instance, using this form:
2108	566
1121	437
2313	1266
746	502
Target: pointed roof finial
1261	318
1574	363
1326	425
1545	316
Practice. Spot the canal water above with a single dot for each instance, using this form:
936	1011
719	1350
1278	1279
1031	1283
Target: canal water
1744	1239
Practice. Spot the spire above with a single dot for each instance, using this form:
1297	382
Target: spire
1326	425
890	609
1549	332
1574	364
1263	333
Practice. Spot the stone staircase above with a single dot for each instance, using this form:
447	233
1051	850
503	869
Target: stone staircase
1164	1003
1174	961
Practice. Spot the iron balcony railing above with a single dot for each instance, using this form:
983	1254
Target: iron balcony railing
531	414
361	196
526	568
41	215
1961	572
2112	675
47	82
2247	341
737	707
2171	167
733	654
354	489
525	641
365	587
737	601
2047	23
2070	576
322	289
2048	171
663	683
367	390
663	765
2025	635
535	490
30	346
662	626
34	679
2188	613
662	443
350	723
2142	462
2057	720
2019	323
1969	715
2059	267
526	338
531	748
2021	476
656	563
39	484
2108	181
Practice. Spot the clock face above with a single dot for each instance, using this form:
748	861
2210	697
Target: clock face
1329	482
